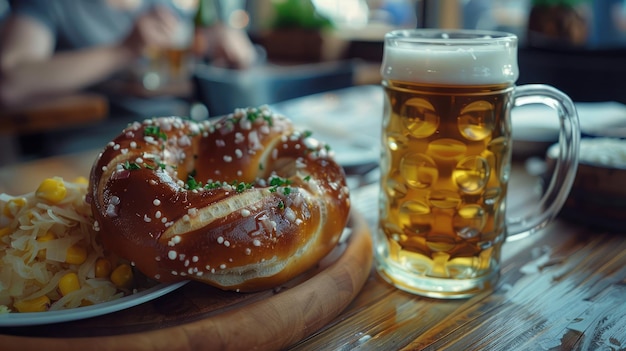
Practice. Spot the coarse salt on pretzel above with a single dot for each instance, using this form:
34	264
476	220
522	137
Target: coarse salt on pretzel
244	203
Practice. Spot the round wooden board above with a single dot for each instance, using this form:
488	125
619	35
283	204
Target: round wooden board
198	316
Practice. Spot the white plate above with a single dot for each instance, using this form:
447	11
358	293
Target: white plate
37	318
348	120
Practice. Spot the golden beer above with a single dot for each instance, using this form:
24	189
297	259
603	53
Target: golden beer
446	159
446	144
444	176
170	65
178	62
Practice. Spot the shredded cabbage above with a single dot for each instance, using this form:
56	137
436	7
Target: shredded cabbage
34	239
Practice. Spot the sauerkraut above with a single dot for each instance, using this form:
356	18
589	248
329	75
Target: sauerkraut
46	235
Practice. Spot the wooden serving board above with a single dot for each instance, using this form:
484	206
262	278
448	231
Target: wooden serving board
198	316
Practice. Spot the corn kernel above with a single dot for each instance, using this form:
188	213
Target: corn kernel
38	304
81	180
68	283
75	255
103	268
46	237
122	276
13	206
52	190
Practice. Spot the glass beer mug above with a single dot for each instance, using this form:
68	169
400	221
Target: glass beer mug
446	159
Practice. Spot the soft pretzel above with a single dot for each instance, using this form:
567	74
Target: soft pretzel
245	203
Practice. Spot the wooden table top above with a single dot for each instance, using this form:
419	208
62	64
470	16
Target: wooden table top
563	288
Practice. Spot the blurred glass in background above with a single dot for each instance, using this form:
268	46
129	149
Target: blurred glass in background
171	65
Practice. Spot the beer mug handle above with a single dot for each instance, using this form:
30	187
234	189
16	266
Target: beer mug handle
565	171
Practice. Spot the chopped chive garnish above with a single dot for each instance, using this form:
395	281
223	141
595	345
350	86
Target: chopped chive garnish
277	181
131	166
214	185
192	183
155	131
241	187
252	115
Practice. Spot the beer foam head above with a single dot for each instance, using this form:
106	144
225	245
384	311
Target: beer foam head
455	57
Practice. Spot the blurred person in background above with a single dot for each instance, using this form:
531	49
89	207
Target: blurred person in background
58	47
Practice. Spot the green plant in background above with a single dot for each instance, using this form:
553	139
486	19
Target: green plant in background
298	14
206	14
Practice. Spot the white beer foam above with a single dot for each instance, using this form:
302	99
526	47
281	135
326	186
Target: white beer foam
440	64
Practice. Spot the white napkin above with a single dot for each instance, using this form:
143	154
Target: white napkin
540	123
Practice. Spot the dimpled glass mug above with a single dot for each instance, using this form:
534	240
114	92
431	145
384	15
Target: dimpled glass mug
446	159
